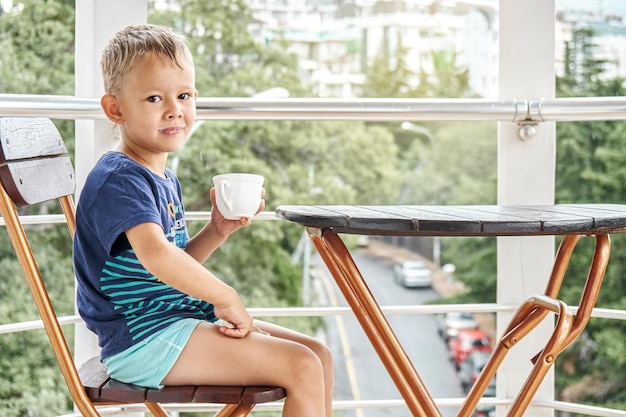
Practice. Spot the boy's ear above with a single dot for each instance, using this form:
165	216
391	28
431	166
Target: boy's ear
111	108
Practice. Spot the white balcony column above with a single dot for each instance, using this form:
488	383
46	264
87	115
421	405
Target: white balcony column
96	22
526	171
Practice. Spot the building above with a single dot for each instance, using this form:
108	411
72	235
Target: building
337	40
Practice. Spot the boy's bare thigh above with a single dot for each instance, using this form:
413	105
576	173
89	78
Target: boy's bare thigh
211	358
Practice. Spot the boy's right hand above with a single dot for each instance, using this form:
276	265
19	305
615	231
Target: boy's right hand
237	322
224	226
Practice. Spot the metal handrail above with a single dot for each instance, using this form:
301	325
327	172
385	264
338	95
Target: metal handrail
341	311
376	404
375	109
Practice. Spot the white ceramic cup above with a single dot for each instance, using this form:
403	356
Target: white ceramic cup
238	195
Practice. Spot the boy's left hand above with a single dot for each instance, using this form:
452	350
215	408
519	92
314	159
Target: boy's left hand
226	227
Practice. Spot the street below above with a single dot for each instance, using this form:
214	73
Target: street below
360	374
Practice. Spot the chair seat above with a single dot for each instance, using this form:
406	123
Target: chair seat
101	388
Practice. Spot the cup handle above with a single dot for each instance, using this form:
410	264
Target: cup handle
221	189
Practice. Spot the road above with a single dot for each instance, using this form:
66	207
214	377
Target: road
360	374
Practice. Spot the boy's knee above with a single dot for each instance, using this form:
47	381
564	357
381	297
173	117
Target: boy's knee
324	353
307	362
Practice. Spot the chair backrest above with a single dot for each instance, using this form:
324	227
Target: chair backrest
35	166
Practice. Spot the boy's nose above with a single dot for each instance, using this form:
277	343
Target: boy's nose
175	111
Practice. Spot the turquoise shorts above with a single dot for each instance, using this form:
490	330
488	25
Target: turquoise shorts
149	361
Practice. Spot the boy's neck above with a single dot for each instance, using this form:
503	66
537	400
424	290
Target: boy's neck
153	162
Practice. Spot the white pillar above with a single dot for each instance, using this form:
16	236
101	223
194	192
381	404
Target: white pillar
525	176
96	22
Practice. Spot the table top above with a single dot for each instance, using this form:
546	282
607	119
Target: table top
470	220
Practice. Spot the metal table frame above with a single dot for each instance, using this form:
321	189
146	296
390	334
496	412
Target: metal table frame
325	223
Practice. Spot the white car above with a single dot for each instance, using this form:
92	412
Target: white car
412	274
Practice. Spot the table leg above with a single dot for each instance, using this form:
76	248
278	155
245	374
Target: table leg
532	312
526	318
592	286
544	361
593	283
368	313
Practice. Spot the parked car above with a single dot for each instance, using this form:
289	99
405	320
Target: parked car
412	274
466	342
471	367
469	370
449	324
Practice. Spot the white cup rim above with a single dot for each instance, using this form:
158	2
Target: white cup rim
239	176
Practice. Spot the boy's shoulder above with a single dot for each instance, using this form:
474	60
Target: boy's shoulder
115	164
115	169
113	161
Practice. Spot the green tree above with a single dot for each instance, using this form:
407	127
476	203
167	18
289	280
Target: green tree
582	70
389	74
32	384
590	168
35	38
37	57
448	79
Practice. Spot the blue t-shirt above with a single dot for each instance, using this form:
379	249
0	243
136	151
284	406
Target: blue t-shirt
117	297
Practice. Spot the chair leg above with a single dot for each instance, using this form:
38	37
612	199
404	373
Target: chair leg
235	410
156	409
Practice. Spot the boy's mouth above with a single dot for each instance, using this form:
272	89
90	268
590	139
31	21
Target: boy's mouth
171	130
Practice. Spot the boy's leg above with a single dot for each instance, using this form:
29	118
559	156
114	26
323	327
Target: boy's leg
319	348
211	358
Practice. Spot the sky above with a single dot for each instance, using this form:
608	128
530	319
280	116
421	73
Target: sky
607	6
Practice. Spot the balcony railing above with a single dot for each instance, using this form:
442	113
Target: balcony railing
526	113
228	108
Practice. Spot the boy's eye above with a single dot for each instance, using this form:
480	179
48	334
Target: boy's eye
154	99
184	96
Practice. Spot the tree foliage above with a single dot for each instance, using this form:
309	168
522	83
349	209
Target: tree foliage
390	75
37	57
590	169
31	382
36	34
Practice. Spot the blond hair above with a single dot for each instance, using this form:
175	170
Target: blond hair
134	42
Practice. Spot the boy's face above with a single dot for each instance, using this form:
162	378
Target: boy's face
157	105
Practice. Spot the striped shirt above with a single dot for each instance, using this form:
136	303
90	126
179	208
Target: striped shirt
117	297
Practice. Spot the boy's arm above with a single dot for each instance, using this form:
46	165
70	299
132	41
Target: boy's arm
179	270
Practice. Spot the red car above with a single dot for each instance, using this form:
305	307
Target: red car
466	342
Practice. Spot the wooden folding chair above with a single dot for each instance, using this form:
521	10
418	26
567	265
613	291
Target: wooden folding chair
35	167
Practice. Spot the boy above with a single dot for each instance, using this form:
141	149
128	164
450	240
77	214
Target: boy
141	284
